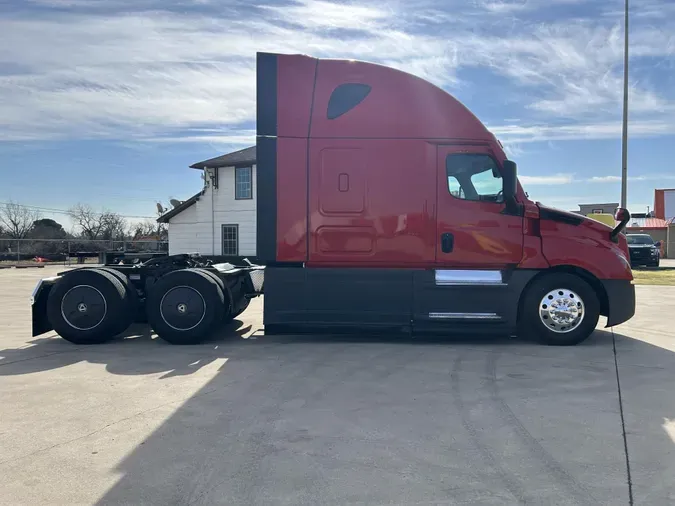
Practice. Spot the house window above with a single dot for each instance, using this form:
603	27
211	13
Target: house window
230	238
243	183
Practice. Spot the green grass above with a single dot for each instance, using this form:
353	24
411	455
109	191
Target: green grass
654	277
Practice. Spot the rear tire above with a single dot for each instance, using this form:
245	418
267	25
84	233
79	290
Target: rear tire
559	309
184	306
130	315
221	283
86	306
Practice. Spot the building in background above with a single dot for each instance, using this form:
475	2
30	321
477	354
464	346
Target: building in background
220	220
664	204
607	208
664	209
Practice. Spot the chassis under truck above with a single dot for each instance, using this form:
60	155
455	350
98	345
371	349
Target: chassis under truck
382	203
182	298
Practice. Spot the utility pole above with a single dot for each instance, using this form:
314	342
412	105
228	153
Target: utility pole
624	135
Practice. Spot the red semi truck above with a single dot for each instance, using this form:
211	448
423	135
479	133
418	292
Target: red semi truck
382	203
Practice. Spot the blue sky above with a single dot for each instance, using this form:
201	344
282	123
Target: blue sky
107	102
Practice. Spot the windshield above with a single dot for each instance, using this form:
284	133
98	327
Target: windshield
639	239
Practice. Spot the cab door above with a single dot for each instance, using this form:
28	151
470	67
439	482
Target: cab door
474	230
477	242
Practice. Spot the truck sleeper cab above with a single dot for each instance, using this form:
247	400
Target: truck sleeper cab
384	203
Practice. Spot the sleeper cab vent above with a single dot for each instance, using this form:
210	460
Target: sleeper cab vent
345	97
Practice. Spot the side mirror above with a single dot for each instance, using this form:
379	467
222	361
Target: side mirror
510	180
657	244
622	216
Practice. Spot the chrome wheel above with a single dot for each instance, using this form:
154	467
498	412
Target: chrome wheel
561	310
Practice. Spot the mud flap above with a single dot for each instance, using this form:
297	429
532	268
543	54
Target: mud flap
39	320
621	300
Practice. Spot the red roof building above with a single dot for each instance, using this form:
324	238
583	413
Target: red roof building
648	223
664	203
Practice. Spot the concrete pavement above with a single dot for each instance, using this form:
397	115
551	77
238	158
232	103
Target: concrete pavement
254	419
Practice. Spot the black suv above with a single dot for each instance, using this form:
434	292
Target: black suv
643	250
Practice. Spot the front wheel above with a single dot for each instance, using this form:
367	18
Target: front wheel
559	309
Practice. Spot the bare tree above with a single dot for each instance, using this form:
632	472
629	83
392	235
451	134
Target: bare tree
87	220
97	225
148	229
114	226
17	220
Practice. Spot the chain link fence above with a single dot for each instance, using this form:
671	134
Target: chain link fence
73	251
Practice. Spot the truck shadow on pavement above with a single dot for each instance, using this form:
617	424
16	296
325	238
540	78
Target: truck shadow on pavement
134	352
137	351
381	419
296	420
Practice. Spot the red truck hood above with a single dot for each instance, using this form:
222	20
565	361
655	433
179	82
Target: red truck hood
569	240
588	223
583	227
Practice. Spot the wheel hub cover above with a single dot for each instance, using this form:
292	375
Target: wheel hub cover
83	307
182	308
561	310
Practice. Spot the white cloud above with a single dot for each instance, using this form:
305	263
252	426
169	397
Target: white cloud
617	179
563	179
329	15
121	75
612	179
608	130
554	179
504	6
151	74
644	9
510	6
238	139
574	70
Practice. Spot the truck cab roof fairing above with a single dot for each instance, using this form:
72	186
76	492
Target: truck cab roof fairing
399	105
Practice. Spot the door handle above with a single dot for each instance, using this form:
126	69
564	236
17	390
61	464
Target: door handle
447	242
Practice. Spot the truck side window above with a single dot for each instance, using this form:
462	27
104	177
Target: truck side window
473	177
345	97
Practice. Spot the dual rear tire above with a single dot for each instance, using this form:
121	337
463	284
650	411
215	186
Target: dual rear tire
91	306
185	306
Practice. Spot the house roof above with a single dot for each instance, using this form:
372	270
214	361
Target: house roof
243	157
647	223
179	209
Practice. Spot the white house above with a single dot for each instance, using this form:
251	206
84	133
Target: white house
221	219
